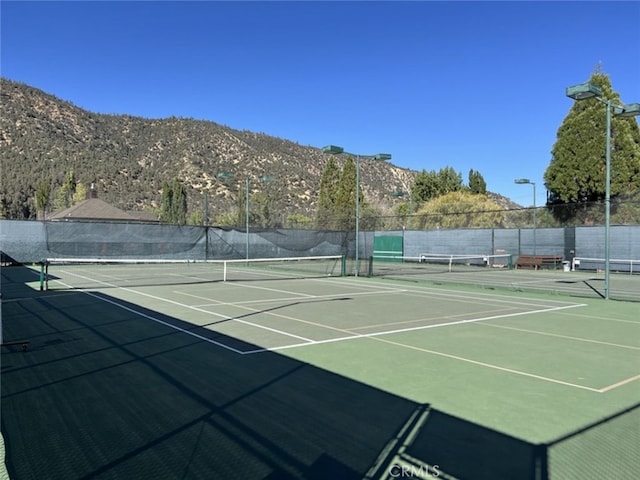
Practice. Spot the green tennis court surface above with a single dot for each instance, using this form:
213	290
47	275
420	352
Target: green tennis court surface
324	377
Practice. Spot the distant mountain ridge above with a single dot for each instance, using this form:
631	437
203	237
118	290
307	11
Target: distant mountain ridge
128	158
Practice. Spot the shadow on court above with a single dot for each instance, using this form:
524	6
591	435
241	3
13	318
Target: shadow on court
105	392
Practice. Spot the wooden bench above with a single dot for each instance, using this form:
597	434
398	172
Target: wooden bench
23	343
539	261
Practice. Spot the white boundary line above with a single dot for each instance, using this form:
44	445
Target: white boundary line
568	337
370	335
495	367
444	292
356	336
157	320
307	298
619	384
411	329
154	319
190	307
307	341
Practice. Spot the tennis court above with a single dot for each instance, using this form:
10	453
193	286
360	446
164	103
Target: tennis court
586	279
303	375
280	313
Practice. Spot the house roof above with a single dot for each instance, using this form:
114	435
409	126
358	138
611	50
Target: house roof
96	209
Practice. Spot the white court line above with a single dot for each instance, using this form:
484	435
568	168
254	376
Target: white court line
495	367
241	352
568	337
157	320
488	297
154	319
484	364
274	290
416	320
313	342
619	384
411	329
190	307
307	299
606	319
456	357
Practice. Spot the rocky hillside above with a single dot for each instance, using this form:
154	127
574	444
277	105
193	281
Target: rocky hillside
128	158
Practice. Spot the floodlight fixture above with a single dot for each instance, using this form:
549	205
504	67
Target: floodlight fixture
630	110
333	149
336	150
584	91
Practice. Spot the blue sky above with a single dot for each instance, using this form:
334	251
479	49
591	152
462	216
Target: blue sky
470	85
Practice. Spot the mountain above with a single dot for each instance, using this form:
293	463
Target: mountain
42	138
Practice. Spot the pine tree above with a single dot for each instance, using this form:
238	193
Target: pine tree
425	187
576	174
327	195
449	181
64	193
430	185
477	184
80	194
346	197
166	211
178	204
43	197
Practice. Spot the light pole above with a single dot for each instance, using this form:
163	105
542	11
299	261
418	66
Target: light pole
526	181
263	179
583	92
332	149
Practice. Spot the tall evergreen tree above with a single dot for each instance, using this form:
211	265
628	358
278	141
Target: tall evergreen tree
449	181
64	193
430	185
43	197
577	170
346	196
477	184
80	194
166	211
425	187
327	195
178	203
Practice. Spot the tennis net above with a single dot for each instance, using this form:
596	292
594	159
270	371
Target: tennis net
427	263
102	273
616	265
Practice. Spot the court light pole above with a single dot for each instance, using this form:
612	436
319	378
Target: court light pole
335	150
584	91
263	179
526	181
